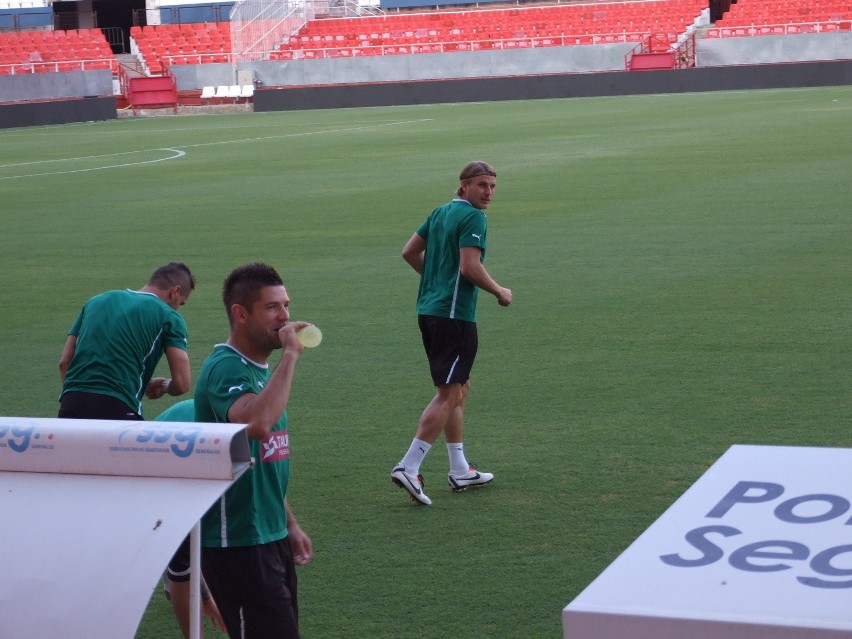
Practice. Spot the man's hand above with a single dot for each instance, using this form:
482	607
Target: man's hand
303	549
287	336
211	611
504	297
157	387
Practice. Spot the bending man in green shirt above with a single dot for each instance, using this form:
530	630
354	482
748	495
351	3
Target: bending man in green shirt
115	343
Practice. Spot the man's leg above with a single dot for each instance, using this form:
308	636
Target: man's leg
273	612
462	475
216	568
445	411
177	592
432	423
454	436
255	589
454	426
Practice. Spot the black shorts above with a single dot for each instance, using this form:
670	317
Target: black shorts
255	589
78	405
450	347
178	569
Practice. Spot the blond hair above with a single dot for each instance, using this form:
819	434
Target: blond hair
473	170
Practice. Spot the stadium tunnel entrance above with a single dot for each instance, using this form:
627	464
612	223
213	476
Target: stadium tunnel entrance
113	17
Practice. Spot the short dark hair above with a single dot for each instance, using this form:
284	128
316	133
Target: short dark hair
173	274
243	285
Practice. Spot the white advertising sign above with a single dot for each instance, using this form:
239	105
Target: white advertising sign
759	547
92	511
131	448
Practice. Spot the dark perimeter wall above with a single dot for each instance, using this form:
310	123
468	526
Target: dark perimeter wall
567	85
57	112
30	99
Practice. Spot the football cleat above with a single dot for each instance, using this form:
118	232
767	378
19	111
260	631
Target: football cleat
412	483
471	478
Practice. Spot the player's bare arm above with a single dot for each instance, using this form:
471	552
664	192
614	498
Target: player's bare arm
66	356
303	549
413	252
473	271
261	411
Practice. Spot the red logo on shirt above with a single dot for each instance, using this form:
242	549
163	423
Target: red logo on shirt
275	447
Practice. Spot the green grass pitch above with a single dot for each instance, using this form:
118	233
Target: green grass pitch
681	275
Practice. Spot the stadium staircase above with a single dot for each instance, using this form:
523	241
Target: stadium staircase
657	52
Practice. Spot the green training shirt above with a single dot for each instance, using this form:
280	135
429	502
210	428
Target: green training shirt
443	290
251	512
183	411
121	336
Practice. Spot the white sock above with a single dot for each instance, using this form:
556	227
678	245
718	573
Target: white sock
458	462
415	455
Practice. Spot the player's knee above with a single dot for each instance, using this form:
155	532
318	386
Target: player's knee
454	394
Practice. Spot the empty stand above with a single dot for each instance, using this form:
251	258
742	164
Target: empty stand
516	27
172	44
48	51
773	17
484	29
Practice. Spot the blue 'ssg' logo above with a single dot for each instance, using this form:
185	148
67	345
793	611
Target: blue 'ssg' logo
828	568
20	438
179	441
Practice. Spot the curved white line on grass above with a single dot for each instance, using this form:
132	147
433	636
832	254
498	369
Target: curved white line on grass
176	153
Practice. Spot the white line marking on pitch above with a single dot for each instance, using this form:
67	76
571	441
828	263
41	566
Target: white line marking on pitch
178	153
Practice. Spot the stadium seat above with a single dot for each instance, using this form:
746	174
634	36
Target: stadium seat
47	51
518	27
202	42
208	92
758	17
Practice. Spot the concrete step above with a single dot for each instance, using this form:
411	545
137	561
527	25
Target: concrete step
131	63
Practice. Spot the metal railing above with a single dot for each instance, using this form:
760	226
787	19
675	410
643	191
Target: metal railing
680	48
398	48
116	37
19	68
179	59
352	9
259	26
825	26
